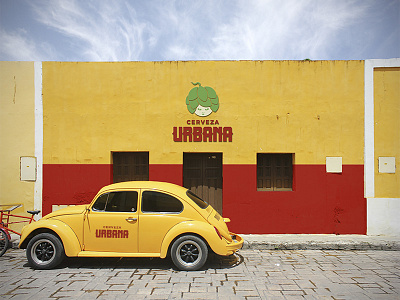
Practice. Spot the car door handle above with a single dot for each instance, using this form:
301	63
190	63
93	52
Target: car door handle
131	219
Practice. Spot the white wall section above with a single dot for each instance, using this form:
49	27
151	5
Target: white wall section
382	216
38	138
382	213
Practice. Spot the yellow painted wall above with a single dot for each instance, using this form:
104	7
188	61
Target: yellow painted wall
17	131
313	109
387	129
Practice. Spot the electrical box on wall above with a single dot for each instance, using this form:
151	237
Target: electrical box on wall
333	165
387	165
28	168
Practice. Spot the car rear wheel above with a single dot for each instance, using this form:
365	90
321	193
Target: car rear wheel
189	253
45	251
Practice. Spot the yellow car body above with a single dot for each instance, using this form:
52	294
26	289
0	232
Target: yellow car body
132	219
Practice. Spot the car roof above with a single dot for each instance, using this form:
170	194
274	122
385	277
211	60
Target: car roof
157	185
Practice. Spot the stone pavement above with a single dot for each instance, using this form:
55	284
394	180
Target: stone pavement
249	274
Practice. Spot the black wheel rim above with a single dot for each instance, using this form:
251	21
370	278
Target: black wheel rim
43	252
189	253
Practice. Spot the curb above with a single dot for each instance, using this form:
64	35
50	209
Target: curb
14	244
320	246
320	242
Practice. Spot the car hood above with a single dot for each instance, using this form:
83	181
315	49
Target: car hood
71	210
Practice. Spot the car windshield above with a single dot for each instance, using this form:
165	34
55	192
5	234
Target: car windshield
196	199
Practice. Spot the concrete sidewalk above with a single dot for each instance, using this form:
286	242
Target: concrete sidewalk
310	242
320	242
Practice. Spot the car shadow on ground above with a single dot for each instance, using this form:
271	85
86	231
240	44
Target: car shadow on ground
213	262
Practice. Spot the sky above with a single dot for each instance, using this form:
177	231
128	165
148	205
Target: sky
155	30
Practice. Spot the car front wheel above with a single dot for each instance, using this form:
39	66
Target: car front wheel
45	251
189	253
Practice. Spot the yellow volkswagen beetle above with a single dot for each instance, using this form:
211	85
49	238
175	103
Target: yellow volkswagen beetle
132	219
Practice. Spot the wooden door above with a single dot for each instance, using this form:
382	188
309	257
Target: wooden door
202	174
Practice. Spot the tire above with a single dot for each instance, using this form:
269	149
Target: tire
45	251
189	253
4	242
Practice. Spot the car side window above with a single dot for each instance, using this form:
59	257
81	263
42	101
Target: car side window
160	203
124	201
100	203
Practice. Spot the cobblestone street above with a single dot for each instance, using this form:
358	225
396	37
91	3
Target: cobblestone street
251	274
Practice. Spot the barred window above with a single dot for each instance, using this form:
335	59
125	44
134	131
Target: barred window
274	171
129	166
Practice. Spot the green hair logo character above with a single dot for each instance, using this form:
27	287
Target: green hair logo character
202	101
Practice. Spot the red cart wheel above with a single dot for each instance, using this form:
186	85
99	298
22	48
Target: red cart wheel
4	242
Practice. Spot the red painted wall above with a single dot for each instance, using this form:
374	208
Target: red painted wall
319	203
72	184
169	173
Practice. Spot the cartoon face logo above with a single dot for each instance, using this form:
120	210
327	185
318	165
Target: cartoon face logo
202	101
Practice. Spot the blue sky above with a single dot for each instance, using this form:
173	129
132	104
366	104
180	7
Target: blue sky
117	30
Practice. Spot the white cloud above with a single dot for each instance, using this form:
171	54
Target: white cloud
254	29
104	30
121	30
17	46
284	30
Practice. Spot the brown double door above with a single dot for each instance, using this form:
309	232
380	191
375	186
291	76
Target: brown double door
202	174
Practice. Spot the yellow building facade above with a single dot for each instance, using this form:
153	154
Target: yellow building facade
17	134
276	146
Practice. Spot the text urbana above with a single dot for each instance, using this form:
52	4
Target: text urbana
211	132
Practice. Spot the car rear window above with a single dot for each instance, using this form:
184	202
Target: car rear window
196	199
156	202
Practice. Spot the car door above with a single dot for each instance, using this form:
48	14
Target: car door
159	213
111	223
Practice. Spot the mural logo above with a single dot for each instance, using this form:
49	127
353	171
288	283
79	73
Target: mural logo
202	101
